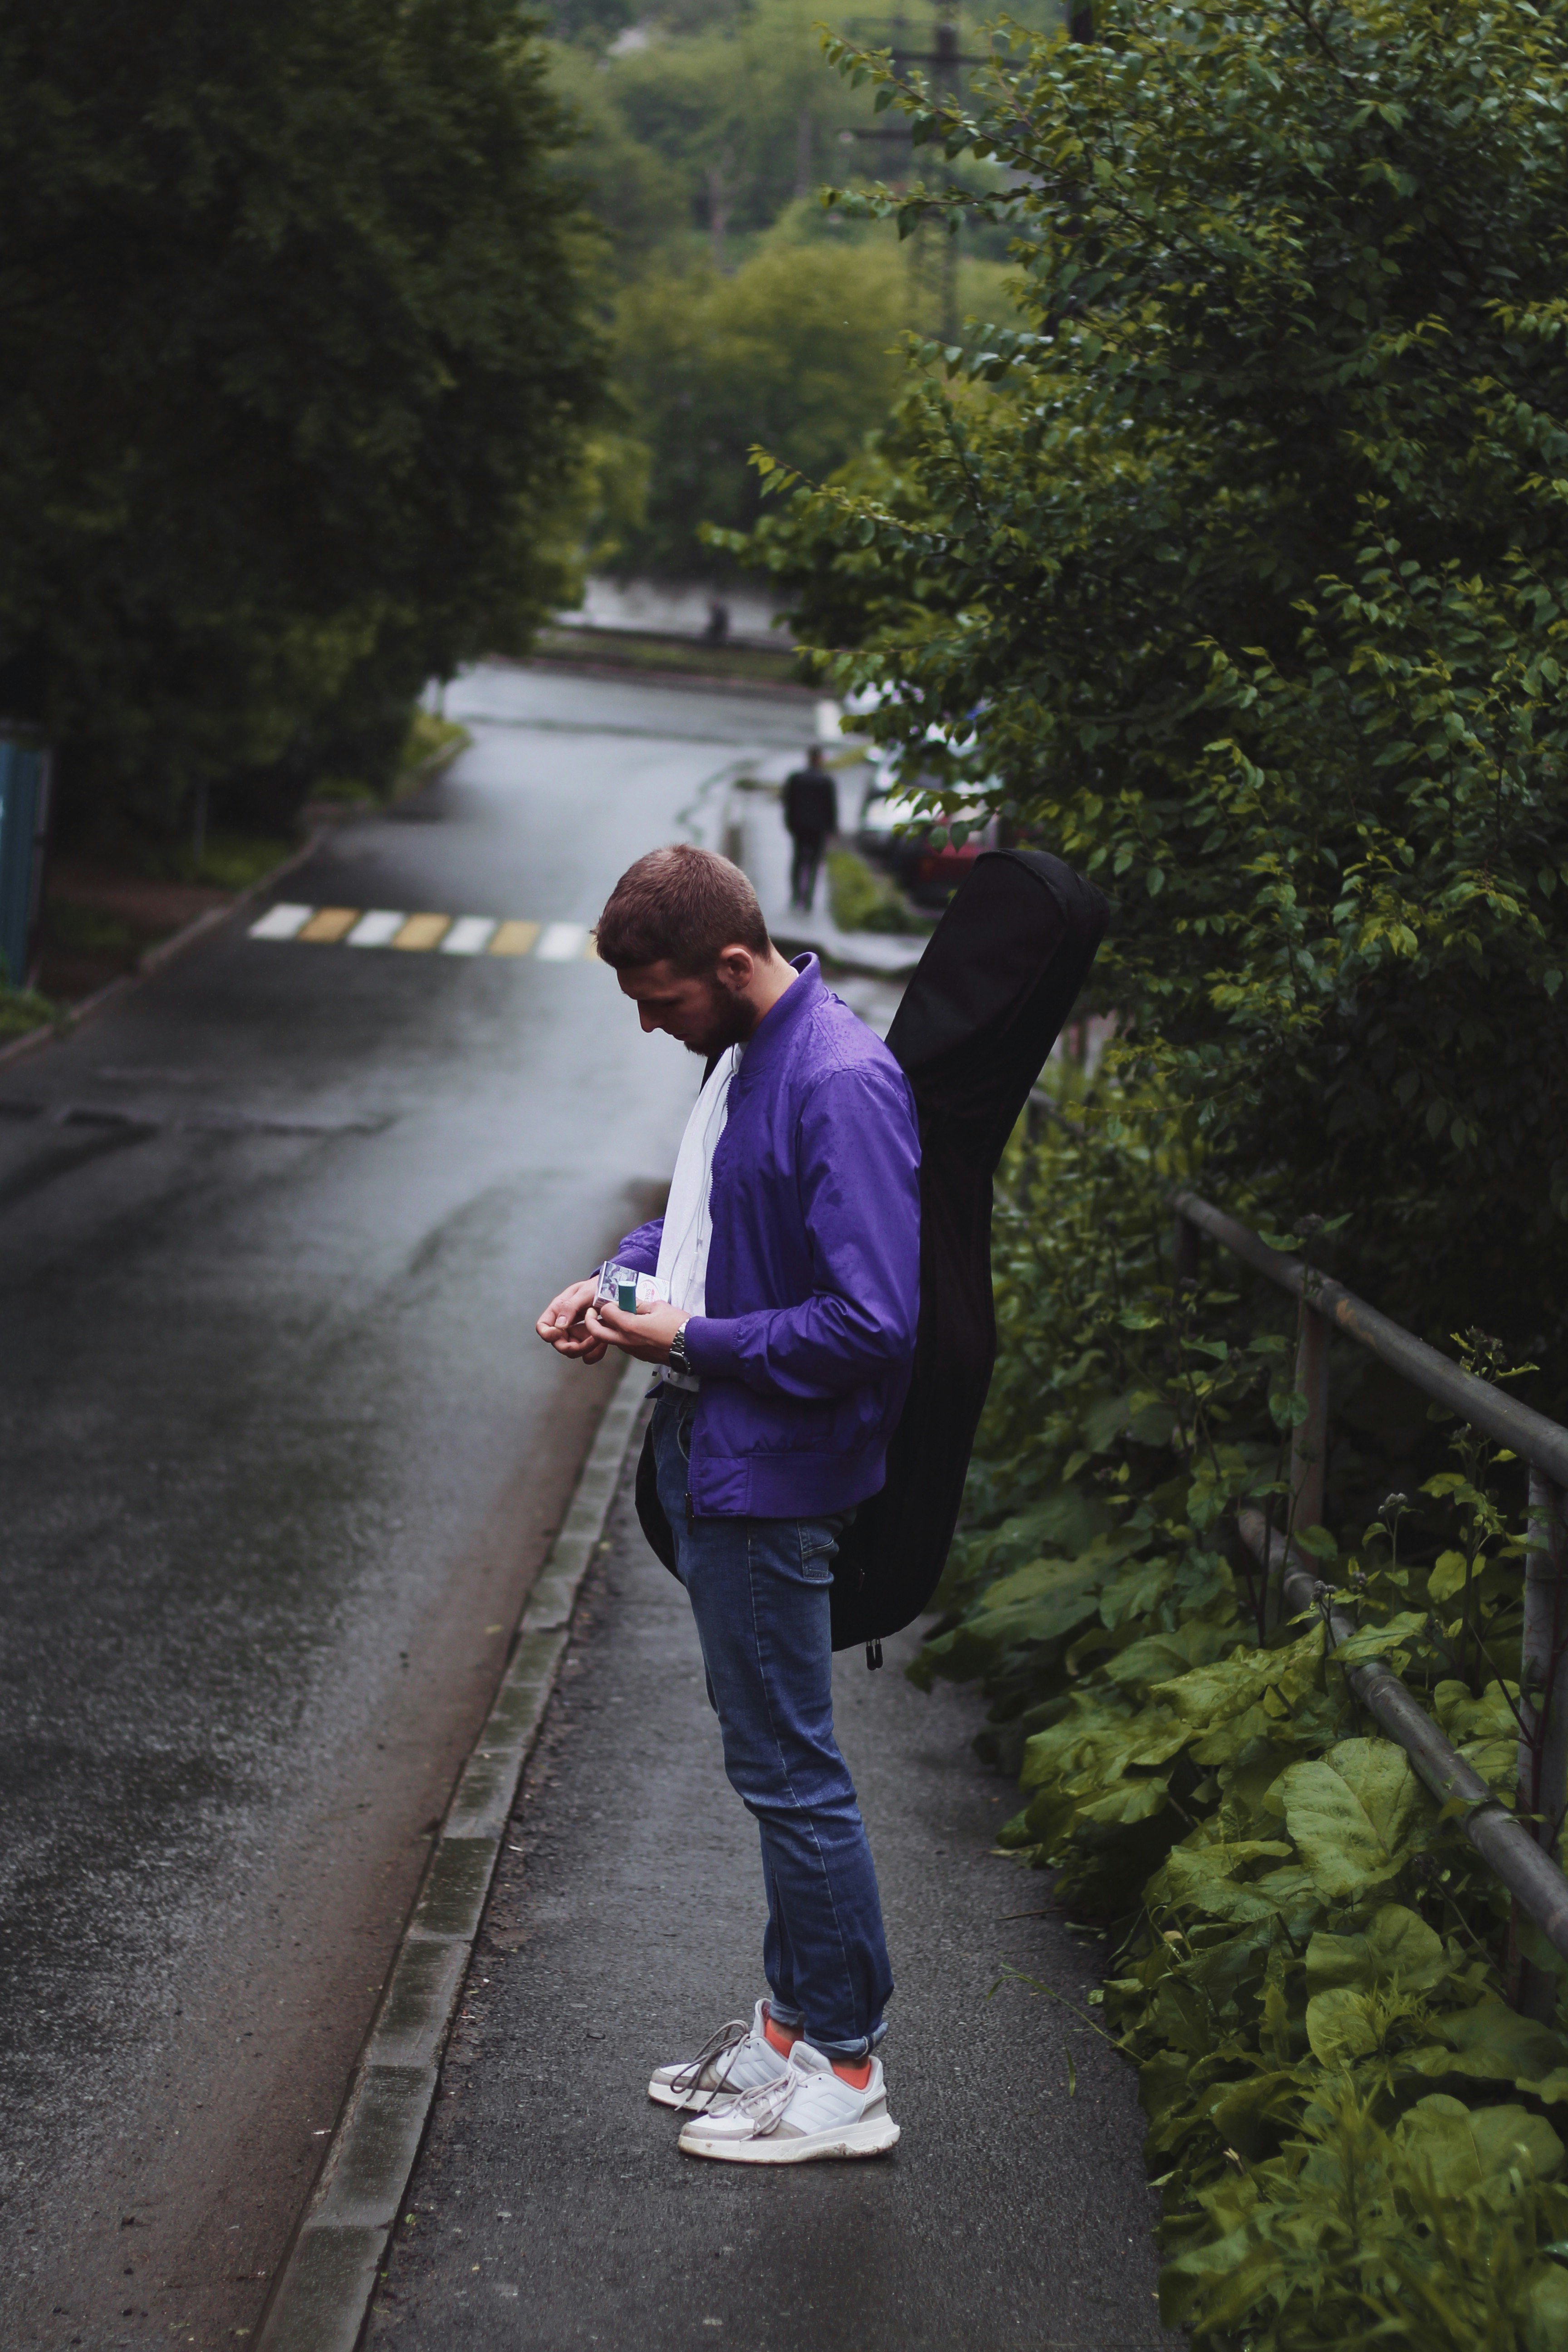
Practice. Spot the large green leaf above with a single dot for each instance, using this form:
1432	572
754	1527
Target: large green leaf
1158	1656
1546	2324
1038	1604
1492	2042
1215	1693
1340	2027
1136	1590
1129	1800
1094	1743
1380	1640
1490	1716
1463	2150
1398	1948
1204	1878
1357	1815
1448	1576
1485	1729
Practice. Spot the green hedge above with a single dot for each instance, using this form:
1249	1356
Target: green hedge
864	900
1358	2140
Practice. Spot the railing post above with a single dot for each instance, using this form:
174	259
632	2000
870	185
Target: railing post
1543	1710
1185	1238
1309	1438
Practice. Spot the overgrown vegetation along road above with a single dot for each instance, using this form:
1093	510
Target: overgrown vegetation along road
1241	579
1354	2130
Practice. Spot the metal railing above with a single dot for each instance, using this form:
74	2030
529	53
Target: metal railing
1519	1846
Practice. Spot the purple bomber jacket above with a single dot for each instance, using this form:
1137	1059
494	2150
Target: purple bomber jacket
813	1290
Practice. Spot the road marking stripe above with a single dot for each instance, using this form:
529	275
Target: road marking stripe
329	924
281	922
466	934
513	939
422	931
469	935
378	928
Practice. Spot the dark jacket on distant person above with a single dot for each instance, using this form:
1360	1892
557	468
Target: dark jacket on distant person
810	804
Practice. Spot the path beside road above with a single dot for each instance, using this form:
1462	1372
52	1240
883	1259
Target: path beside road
550	2209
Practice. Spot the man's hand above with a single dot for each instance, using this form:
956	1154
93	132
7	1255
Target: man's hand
645	1334
563	1325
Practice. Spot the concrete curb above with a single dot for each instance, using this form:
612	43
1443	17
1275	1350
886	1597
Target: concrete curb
694	681
322	2295
153	959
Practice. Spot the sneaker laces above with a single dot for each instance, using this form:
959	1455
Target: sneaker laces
764	2105
720	2048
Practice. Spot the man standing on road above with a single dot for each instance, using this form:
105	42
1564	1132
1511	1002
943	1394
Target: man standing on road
786	1292
810	815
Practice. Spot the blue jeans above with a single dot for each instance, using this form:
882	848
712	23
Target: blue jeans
758	1590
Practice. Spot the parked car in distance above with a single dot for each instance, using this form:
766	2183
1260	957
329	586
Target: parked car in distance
897	834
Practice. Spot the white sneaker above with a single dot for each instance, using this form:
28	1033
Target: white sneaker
736	2058
809	2112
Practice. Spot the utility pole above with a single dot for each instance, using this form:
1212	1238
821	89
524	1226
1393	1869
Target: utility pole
946	60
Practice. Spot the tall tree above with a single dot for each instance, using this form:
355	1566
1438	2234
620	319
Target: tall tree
798	349
294	351
1246	570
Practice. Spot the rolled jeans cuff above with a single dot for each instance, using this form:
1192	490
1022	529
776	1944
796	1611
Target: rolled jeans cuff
853	2051
793	2021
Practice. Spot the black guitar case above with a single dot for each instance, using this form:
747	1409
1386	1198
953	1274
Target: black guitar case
978	1020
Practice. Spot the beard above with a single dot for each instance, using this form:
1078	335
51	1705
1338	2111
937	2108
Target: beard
731	1023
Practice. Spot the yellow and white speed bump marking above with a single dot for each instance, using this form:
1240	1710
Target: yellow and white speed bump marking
388	927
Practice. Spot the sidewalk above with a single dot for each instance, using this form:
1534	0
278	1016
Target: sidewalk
550	2208
756	828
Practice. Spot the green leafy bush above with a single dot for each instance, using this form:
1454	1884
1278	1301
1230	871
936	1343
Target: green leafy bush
864	900
798	346
1310	1959
22	1009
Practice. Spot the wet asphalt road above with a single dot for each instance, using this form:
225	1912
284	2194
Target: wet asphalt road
551	2210
282	1455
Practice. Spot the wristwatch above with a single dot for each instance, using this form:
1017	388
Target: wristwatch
679	1361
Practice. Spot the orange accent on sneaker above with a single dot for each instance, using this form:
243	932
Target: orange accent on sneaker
856	2072
782	2038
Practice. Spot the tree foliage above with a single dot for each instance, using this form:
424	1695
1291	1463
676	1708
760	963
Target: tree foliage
1247	562
707	133
295	357
800	345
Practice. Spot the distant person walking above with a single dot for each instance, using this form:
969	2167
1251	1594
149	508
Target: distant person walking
811	815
